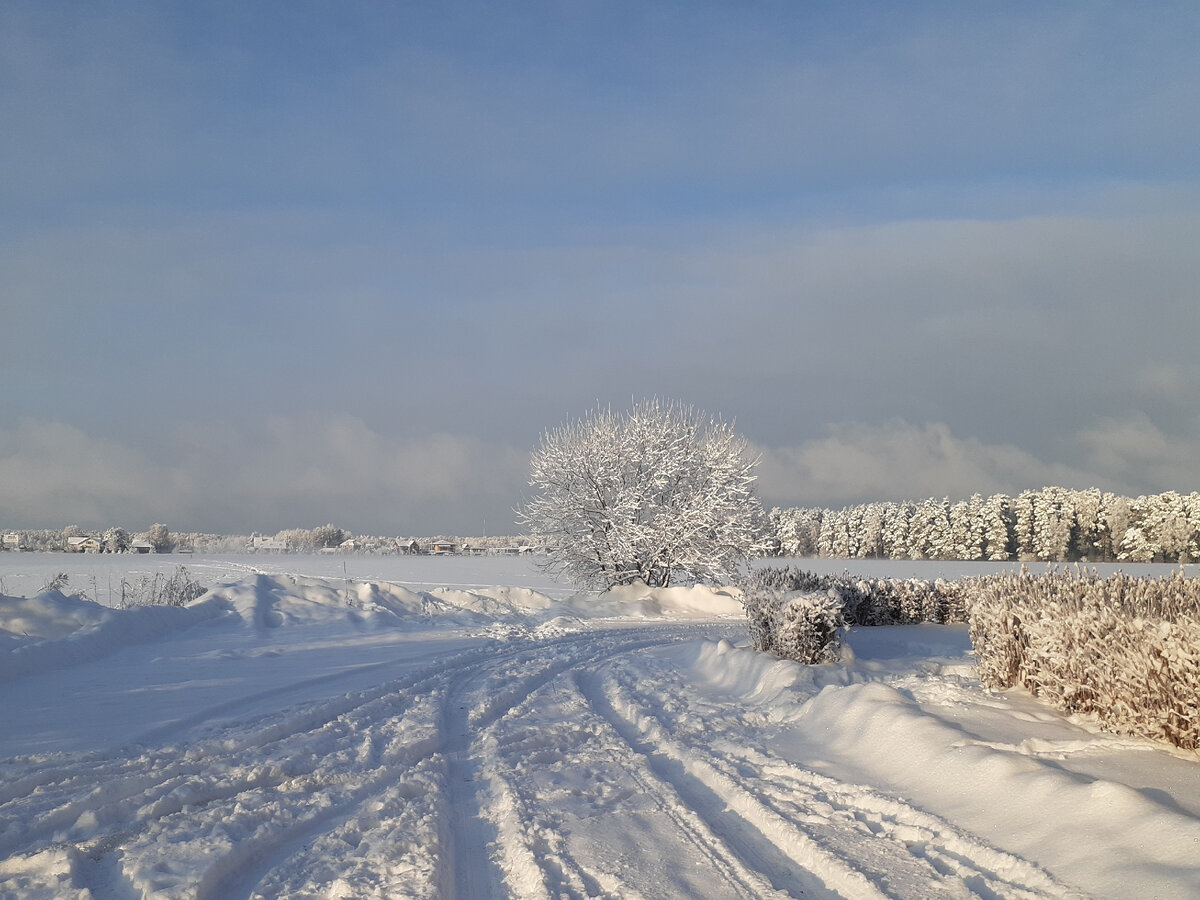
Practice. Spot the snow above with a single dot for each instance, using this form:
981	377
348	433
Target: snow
354	728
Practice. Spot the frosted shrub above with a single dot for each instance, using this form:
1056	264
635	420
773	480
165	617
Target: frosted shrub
1126	649
805	627
869	601
800	615
809	627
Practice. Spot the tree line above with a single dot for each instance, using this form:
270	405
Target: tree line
291	540
1053	524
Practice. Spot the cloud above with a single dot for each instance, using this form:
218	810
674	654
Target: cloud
296	471
1133	450
54	475
856	463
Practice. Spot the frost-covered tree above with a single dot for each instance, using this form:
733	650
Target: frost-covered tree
658	494
159	538
894	530
929	533
1025	525
797	530
327	536
1054	525
1163	528
1114	519
998	521
966	526
834	540
116	540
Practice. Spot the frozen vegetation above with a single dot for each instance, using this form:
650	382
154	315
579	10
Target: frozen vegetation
423	727
1053	524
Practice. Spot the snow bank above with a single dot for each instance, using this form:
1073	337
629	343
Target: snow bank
904	711
640	601
996	787
51	614
274	601
53	631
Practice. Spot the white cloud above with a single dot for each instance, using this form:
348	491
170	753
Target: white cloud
1134	450
53	475
899	461
289	472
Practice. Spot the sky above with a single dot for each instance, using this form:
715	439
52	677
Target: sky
280	264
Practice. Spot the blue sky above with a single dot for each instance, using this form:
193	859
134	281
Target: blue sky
269	265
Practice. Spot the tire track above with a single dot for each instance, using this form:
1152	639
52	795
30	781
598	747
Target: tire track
793	867
859	841
478	698
533	850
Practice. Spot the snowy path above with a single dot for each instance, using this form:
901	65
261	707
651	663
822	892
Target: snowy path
532	768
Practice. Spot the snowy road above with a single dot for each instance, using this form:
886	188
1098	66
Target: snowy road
323	739
575	765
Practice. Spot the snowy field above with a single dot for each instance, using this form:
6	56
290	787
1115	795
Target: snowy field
336	726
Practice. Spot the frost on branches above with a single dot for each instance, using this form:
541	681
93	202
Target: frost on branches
660	493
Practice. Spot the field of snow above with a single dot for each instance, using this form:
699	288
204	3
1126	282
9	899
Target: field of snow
421	727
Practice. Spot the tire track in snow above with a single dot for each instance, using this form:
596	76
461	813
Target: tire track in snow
793	868
98	803
467	870
533	849
253	807
862	843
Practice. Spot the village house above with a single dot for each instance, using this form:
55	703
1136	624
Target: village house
258	543
10	540
83	544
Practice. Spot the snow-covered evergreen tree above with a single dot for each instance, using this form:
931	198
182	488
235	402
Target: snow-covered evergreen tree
1088	523
870	543
894	530
998	520
966	524
929	530
797	530
1025	525
1053	524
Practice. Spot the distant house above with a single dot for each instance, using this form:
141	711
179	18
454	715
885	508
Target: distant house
267	545
83	545
10	540
350	545
141	547
441	548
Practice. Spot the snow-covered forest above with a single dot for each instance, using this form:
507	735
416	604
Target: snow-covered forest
1053	524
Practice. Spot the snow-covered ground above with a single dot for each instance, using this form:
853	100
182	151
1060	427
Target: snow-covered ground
342	727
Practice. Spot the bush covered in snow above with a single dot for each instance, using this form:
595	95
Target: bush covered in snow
1126	649
799	615
806	627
